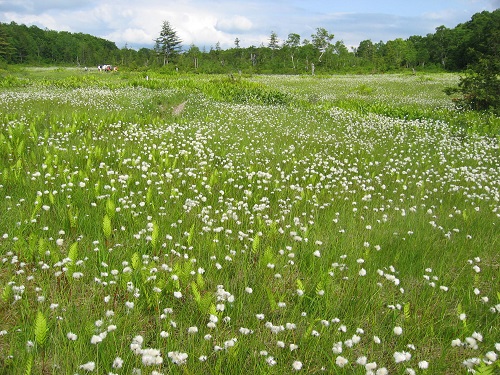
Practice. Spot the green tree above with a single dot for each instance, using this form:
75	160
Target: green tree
193	54
322	40
6	50
273	41
395	53
442	42
479	87
168	43
342	55
422	54
291	44
366	50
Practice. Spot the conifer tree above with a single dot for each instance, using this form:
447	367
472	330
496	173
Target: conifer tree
168	43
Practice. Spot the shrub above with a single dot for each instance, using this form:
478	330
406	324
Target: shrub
479	87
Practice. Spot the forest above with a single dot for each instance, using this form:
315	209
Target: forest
447	49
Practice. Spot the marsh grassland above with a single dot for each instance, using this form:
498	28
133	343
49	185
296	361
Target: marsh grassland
255	225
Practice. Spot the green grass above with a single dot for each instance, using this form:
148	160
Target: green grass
269	212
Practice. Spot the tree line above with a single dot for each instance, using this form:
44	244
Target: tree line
451	49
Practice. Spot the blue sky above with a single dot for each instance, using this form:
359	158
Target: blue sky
137	23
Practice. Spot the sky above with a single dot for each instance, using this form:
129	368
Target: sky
137	23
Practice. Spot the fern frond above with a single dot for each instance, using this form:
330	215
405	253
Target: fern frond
200	282
484	369
7	293
73	252
106	226
299	284
196	292
191	235
110	208
136	260
29	365
41	329
319	287
154	234
255	243
271	299
406	310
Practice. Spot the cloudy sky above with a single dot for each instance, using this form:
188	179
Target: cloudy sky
137	23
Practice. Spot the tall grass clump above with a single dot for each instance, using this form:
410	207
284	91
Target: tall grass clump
252	231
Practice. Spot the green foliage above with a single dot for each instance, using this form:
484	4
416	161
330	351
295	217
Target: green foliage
154	234
479	87
269	185
29	366
243	91
41	329
7	293
168	43
73	252
136	261
107	226
484	369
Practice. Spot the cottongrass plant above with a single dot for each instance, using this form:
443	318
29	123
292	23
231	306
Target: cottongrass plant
243	238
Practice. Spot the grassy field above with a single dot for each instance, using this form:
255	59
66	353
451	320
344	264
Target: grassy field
258	225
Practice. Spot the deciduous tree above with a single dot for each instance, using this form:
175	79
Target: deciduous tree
322	40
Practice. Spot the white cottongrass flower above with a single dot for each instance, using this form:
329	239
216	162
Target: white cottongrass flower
297	365
136	345
402	356
370	366
177	294
177	357
398	331
341	361
118	362
423	365
89	366
471	362
71	336
361	361
193	330
151	357
271	361
111	328
245	331
491	356
477	336
96	339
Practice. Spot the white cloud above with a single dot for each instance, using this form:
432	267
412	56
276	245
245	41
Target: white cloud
234	24
131	37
